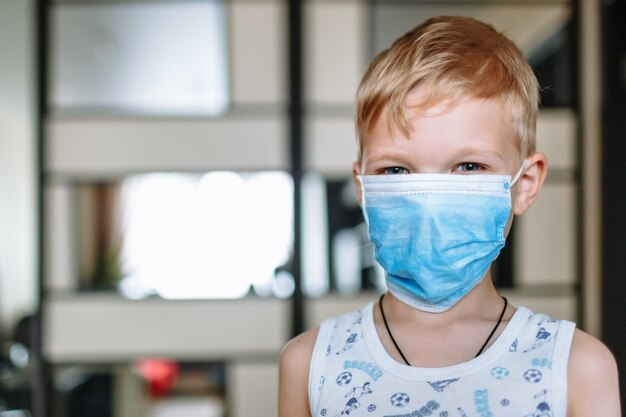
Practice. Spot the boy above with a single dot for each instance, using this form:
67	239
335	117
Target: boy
446	125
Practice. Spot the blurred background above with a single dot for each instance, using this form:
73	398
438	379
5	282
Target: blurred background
176	200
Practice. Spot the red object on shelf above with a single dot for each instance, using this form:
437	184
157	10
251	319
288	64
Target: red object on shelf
160	375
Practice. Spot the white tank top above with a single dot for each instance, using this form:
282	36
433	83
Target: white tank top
522	374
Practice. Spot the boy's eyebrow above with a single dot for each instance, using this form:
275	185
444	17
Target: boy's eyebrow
386	154
480	151
468	151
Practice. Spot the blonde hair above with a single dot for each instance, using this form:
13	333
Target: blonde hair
448	58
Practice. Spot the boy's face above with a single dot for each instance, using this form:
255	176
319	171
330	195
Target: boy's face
473	137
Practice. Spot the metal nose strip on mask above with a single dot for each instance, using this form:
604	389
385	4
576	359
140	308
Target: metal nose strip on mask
494	185
488	184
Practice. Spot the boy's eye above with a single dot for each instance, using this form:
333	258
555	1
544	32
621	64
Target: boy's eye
469	167
395	170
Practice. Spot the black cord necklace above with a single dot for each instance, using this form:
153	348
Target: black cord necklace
382	312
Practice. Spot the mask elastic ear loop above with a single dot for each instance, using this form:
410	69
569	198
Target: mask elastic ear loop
362	202
518	175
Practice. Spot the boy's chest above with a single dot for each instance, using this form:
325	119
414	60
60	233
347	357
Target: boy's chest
436	351
522	374
504	390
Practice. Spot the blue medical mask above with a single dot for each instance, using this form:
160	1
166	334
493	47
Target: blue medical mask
436	235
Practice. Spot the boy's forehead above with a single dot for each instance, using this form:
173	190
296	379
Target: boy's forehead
483	123
419	102
422	102
419	109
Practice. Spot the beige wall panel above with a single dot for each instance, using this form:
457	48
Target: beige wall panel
335	40
330	146
590	87
110	147
18	172
556	137
545	238
258	56
103	328
129	392
319	309
61	273
557	307
253	389
186	406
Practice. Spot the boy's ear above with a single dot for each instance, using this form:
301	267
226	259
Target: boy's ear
530	182
356	171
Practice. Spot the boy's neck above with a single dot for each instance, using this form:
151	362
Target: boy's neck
483	301
464	328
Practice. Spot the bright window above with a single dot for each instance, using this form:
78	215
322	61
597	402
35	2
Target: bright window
219	235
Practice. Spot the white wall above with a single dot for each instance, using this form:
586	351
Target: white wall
17	162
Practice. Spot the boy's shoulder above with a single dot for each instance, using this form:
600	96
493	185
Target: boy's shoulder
300	347
295	361
592	378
